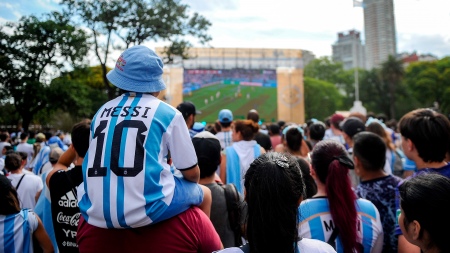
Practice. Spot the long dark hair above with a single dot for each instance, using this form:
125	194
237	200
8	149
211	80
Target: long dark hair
9	202
274	186
331	164
426	199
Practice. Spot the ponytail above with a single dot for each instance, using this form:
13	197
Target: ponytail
341	199
331	164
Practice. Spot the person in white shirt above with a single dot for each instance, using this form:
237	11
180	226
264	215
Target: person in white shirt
28	186
23	146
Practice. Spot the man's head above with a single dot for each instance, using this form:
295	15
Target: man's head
80	137
253	115
225	118
317	131
369	151
54	155
350	127
207	147
274	129
426	135
188	111
138	69
23	156
23	136
13	161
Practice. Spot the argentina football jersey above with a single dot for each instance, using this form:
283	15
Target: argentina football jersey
126	181
316	223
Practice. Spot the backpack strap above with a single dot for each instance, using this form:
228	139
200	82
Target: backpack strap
234	214
20	181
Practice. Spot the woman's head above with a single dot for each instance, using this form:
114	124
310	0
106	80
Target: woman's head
425	204
274	188
330	163
329	153
311	187
379	130
244	130
9	202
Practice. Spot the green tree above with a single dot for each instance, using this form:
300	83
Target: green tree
116	24
321	98
81	91
430	83
325	69
392	73
33	51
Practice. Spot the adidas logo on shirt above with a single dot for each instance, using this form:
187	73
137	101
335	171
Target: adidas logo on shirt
68	200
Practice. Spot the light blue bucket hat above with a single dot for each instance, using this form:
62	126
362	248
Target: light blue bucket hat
138	69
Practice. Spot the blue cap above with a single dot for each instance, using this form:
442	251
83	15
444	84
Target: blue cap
198	127
225	116
138	69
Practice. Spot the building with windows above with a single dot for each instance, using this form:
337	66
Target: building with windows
244	58
379	30
349	50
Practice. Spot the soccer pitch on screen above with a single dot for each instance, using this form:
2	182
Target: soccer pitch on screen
238	90
238	98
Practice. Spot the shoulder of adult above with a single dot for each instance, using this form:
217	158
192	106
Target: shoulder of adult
230	250
314	246
367	208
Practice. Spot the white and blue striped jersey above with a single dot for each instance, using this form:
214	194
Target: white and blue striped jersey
316	223
225	139
127	182
16	231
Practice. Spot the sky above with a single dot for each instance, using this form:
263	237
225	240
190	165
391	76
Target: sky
421	25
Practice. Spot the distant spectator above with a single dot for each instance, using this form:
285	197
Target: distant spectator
261	138
275	135
316	132
237	158
28	186
23	146
225	121
335	131
189	112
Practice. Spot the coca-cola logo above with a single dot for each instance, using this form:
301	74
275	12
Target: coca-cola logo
67	219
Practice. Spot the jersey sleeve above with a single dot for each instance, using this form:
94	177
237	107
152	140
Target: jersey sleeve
180	145
32	220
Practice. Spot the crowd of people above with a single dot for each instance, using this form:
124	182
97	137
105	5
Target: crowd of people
142	176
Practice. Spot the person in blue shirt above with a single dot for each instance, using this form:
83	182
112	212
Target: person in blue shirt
425	140
377	186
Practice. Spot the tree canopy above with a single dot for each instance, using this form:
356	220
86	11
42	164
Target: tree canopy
118	24
32	51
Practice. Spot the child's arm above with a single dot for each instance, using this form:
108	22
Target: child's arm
42	237
192	174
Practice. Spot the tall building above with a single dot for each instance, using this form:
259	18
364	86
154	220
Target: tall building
349	50
379	29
